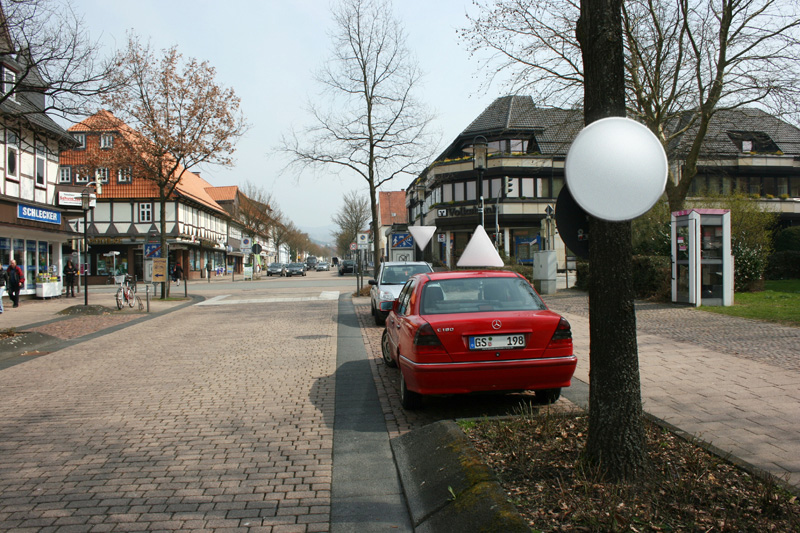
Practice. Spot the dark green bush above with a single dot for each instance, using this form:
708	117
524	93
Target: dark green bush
788	240
784	265
651	277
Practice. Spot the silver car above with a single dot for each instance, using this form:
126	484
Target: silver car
276	269
392	275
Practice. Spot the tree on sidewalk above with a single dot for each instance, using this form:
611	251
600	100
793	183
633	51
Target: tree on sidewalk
372	125
351	218
181	116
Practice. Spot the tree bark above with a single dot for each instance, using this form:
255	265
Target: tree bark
616	433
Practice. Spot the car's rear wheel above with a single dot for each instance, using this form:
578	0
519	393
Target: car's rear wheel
408	399
548	396
386	350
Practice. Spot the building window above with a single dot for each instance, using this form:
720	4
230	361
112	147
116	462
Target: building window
471	187
41	166
81	138
447	192
65	175
124	175
145	212
106	141
81	176
12	153
9	80
101	175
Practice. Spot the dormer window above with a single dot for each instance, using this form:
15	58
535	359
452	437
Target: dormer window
9	81
106	141
753	142
81	138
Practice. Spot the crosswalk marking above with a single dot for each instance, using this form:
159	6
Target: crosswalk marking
223	299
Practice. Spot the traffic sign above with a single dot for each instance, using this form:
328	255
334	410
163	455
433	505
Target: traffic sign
152	250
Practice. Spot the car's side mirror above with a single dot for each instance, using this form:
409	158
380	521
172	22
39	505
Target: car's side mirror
372	282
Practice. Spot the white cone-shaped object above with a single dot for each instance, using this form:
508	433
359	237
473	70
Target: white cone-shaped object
422	235
480	252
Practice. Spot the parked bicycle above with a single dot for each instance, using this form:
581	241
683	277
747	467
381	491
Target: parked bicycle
126	294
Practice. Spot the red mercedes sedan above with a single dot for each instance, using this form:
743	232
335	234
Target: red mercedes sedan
476	331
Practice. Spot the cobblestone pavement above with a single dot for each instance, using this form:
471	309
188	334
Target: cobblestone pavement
212	418
756	340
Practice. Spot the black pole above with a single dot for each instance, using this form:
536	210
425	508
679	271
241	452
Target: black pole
480	196
85	259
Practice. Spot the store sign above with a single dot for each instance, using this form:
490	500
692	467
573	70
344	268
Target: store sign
73	199
38	214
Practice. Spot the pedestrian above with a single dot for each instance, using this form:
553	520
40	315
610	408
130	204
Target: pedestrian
3	282
16	279
69	278
209	268
177	274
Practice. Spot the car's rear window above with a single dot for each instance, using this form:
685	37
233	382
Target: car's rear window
474	295
399	274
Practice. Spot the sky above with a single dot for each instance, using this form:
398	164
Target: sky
268	52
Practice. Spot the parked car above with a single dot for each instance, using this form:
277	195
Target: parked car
468	331
323	265
296	269
392	275
347	266
276	269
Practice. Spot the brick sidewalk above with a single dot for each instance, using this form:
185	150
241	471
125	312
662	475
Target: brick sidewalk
210	418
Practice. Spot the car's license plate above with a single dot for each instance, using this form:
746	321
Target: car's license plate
496	342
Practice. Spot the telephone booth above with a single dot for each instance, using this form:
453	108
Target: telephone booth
702	264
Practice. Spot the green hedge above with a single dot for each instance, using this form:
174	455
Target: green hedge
788	240
651	277
783	265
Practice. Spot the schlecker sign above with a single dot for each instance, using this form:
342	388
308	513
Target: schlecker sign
616	169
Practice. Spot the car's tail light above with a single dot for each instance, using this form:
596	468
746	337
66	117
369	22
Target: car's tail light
562	336
426	337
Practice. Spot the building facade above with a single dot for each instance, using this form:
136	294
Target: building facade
745	150
34	228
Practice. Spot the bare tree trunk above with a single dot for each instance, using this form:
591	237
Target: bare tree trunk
616	433
163	225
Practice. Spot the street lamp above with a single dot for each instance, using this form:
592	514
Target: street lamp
479	151
86	204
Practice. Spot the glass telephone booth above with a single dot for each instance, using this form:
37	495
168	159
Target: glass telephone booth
702	264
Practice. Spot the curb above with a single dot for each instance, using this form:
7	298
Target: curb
447	486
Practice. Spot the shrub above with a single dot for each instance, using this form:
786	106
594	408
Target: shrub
749	264
788	239
651	277
784	265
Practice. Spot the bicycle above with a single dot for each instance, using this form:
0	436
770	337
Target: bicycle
126	294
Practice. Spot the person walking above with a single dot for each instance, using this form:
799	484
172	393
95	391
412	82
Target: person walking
177	274
3	282
209	268
69	278
16	279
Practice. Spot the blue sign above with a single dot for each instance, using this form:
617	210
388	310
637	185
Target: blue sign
152	250
402	240
38	214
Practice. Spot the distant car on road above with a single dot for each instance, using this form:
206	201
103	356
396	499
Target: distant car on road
323	265
311	262
276	269
347	266
392	275
296	269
